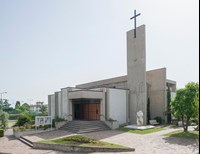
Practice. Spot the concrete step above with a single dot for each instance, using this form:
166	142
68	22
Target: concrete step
85	126
26	141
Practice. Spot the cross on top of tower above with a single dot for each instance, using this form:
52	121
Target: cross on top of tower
134	17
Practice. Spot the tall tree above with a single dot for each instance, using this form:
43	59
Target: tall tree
43	110
25	107
185	105
4	104
3	119
169	118
17	105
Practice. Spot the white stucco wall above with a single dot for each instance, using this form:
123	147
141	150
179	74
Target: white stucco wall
53	106
49	105
116	105
59	105
64	103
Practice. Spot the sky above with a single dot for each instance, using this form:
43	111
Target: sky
51	44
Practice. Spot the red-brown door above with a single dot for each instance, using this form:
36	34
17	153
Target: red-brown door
94	112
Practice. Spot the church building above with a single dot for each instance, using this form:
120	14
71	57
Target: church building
118	98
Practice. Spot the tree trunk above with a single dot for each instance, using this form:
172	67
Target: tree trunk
185	124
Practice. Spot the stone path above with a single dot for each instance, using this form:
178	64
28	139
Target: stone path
10	145
153	143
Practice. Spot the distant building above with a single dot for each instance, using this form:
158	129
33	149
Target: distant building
36	107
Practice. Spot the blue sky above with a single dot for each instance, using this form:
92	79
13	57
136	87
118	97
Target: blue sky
50	44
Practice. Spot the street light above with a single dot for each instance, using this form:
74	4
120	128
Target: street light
1	96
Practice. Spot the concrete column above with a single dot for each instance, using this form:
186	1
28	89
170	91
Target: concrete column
49	105
136	70
103	106
53	106
70	111
64	103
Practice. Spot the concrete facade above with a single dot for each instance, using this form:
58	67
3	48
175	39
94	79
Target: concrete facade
136	69
121	97
118	82
64	103
157	92
117	103
51	105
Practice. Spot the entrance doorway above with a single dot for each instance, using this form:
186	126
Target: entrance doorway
86	109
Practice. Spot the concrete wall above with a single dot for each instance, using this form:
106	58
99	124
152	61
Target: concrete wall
117	105
64	103
136	69
156	80
117	82
85	94
49	105
57	107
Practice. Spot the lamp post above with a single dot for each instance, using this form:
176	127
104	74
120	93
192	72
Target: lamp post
2	98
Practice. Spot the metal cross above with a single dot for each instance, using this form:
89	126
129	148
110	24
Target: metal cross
134	17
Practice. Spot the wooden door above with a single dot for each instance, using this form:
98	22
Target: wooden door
94	112
97	111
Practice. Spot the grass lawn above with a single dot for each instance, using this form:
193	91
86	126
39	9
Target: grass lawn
81	141
146	131
182	134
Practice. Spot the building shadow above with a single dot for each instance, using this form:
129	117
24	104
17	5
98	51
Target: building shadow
11	137
190	143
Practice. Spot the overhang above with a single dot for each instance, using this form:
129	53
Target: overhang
89	94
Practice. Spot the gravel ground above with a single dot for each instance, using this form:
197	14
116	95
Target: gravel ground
154	143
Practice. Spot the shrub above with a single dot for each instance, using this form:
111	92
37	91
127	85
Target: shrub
158	119
21	128
24	119
78	138
1	132
53	123
57	119
46	127
3	119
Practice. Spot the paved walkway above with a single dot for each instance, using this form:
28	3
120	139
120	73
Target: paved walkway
10	145
154	143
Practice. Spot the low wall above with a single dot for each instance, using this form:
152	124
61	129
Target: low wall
112	124
66	148
17	133
60	124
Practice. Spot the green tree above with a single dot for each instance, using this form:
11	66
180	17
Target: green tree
25	107
169	118
3	119
43	110
185	105
4	104
17	105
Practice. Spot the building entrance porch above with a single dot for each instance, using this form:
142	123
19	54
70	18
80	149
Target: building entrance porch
86	109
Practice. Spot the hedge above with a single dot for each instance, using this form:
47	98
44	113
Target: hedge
1	132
